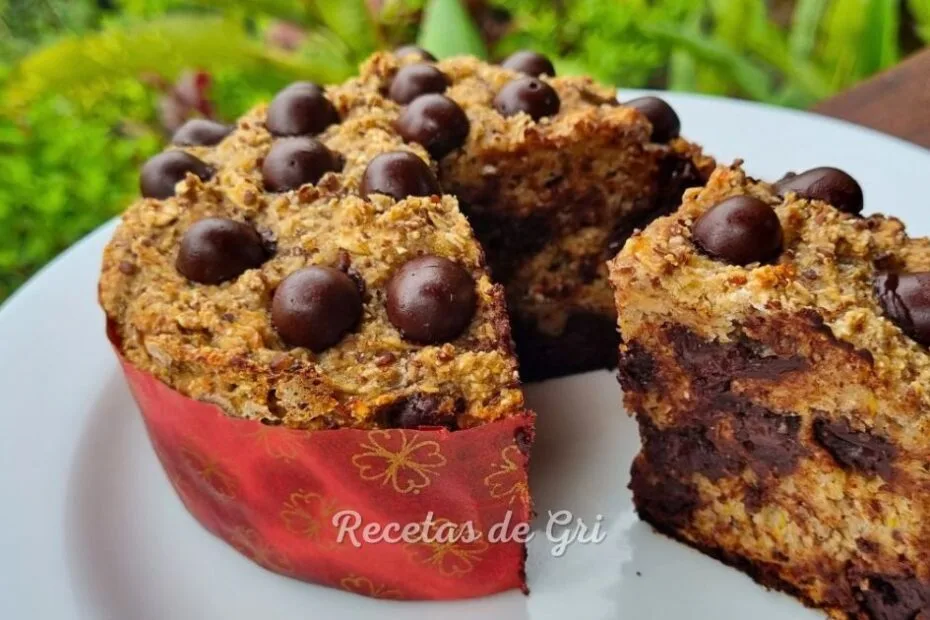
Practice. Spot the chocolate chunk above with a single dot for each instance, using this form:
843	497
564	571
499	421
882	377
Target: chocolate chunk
714	365
315	306
530	63
862	451
905	298
683	450
217	249
830	185
431	299
419	410
291	162
162	172
665	122
767	441
660	498
200	132
529	95
399	174
894	598
759	439
637	367
436	122
300	109
415	80
740	230
413	50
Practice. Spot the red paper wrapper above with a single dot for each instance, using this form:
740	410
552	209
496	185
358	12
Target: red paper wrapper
272	493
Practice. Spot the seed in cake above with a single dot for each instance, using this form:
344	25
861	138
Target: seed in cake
200	132
529	95
436	122
905	298
399	174
830	185
315	307
291	162
431	299
216	249
300	109
162	172
415	80
665	122
529	62
413	50
740	230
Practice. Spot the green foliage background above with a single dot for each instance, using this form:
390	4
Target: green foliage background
77	119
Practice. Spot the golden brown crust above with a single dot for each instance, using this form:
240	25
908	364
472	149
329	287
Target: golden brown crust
216	343
550	200
828	266
782	413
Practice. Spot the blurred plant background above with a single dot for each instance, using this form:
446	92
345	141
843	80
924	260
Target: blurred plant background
90	88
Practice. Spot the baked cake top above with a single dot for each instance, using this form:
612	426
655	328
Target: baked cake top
389	345
514	115
742	247
202	305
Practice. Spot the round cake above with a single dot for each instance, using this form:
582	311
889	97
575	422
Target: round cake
303	309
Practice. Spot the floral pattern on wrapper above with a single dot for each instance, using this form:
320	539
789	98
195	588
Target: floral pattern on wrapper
275	494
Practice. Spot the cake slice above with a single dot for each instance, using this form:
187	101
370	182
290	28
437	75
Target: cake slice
775	356
308	326
306	271
553	175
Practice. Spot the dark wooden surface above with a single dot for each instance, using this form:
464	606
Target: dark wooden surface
896	102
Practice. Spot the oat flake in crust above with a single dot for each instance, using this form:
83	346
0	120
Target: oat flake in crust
217	343
550	199
783	412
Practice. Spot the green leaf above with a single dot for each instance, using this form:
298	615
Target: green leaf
804	25
682	67
351	22
83	68
837	34
448	30
920	10
750	78
880	35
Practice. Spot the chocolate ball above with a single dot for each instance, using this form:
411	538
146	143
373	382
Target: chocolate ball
200	132
740	230
415	80
529	95
530	63
830	185
665	122
399	174
315	307
162	172
431	299
413	50
905	298
291	162
436	122
216	249
300	109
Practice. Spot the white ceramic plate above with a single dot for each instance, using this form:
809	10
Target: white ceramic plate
90	528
